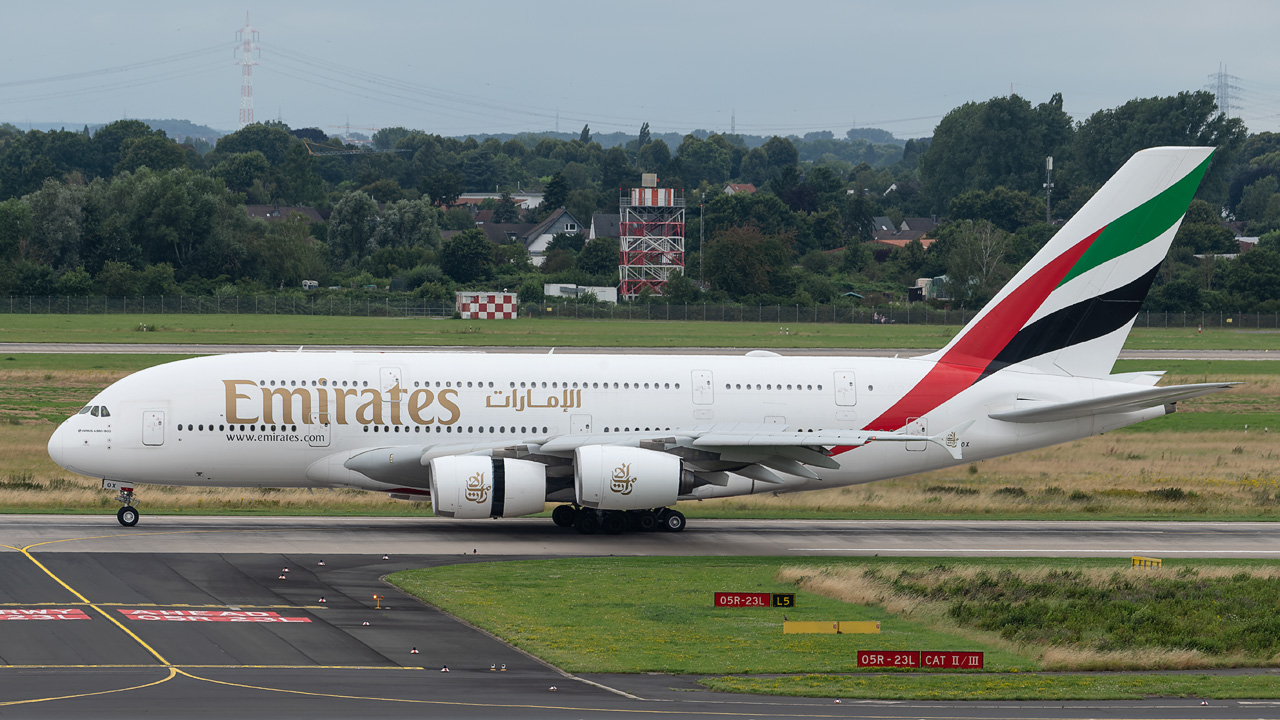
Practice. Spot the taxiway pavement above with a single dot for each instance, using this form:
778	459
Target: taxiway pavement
127	657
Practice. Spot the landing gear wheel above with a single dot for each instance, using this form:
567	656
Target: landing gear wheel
587	522
128	516
614	523
673	521
646	521
563	516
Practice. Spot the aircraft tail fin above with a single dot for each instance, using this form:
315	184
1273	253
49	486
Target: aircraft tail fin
1070	308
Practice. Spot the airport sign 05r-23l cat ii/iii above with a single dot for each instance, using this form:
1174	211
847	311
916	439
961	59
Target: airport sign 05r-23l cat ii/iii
618	440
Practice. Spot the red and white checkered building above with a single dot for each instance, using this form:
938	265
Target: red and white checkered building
486	305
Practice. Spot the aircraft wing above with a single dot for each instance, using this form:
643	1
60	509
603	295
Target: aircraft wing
1109	405
754	451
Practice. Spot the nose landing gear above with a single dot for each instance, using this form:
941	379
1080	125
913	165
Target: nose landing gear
127	515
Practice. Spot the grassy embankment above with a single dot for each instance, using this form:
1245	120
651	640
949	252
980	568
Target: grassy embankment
1204	451
541	332
1026	615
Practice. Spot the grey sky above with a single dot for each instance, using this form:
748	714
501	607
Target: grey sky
475	66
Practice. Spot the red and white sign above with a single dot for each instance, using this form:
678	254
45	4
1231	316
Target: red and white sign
486	306
240	616
736	599
44	614
889	659
952	660
943	660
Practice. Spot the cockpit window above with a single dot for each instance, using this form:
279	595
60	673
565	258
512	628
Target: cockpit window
94	411
105	412
84	410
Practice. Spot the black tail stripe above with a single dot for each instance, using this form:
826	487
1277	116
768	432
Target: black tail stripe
1075	324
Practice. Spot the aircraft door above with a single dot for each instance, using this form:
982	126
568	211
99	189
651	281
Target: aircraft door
318	433
703	392
580	424
153	427
846	392
388	380
917	426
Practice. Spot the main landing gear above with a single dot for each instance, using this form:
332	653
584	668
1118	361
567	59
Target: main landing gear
127	515
615	522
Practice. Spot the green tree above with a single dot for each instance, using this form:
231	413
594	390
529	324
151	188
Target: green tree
16	226
1108	138
702	161
467	256
154	151
1007	209
75	282
556	194
56	224
443	188
408	224
599	256
240	171
116	279
270	139
387	138
976	267
743	261
1003	141
654	157
507	211
1253	202
352	225
616	170
585	136
109	141
781	153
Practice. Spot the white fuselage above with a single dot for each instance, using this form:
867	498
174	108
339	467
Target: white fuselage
290	419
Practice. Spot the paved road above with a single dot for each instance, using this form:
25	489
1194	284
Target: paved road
323	662
533	536
204	349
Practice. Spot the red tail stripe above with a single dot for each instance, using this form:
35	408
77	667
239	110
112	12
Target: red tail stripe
963	364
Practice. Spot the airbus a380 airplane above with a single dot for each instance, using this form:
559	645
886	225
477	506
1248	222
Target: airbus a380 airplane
620	439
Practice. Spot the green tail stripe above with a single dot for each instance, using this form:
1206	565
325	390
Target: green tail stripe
1140	225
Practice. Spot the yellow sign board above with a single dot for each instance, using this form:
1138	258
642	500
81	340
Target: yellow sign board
826	627
1147	562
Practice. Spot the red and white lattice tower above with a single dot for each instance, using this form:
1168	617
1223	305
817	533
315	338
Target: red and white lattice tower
248	39
652	237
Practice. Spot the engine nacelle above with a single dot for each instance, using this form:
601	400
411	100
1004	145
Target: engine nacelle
608	477
469	487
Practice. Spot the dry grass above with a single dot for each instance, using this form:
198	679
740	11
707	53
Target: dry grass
1230	473
863	584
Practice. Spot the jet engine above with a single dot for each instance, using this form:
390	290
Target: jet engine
469	487
609	477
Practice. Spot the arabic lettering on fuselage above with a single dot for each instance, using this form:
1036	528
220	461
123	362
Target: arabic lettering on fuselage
520	402
370	406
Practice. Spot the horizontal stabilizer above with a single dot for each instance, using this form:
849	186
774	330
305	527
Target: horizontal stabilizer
1109	405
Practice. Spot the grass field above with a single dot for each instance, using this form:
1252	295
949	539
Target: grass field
1200	463
540	332
665	605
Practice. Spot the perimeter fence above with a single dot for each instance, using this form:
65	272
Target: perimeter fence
332	305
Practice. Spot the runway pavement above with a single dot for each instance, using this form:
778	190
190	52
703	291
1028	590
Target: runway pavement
206	349
249	644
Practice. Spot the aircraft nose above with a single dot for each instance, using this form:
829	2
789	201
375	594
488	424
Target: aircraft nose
58	446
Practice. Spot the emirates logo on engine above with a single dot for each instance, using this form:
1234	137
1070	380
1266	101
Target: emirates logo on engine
477	492
622	480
